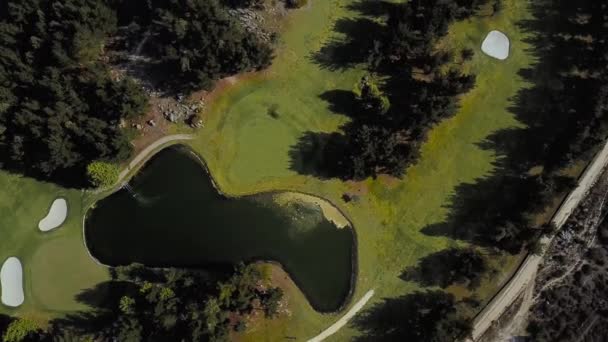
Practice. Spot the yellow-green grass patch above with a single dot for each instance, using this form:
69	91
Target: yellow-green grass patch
248	150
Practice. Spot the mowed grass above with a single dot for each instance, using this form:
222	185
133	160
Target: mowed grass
248	150
56	266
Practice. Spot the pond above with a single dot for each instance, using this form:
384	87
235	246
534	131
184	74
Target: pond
170	214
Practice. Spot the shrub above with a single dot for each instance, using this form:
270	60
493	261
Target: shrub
19	330
126	305
102	174
271	301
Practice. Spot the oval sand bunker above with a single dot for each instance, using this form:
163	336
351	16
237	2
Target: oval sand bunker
496	45
56	215
11	281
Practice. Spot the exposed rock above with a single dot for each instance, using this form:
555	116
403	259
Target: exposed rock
182	112
195	121
251	21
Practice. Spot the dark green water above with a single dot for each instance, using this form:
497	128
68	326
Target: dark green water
171	215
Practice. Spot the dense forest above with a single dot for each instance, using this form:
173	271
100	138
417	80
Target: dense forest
161	305
60	108
60	105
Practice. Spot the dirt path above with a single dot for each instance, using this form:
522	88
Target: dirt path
517	324
342	321
525	275
145	153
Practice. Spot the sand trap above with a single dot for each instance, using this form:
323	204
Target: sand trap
11	281
56	215
496	45
330	212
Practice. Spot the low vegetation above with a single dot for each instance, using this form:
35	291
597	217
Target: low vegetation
102	174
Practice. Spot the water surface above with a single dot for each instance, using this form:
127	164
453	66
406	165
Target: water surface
171	215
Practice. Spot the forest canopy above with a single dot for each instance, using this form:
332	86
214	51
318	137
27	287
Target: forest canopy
60	104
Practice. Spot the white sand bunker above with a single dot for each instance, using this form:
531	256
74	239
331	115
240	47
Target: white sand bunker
11	281
496	45
56	216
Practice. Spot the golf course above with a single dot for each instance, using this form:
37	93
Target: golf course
251	144
248	151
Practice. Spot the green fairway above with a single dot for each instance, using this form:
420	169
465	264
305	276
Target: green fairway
56	264
248	151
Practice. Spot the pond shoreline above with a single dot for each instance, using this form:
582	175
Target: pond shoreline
319	201
354	254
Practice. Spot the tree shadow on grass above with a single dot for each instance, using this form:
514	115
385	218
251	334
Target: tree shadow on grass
427	315
352	49
4	322
340	101
321	154
422	316
378	139
318	154
559	119
102	299
359	36
447	267
560	123
370	137
371	8
70	178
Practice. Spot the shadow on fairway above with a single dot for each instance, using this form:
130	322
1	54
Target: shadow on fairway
562	122
421	316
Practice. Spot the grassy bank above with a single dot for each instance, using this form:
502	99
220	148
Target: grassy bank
248	150
250	132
